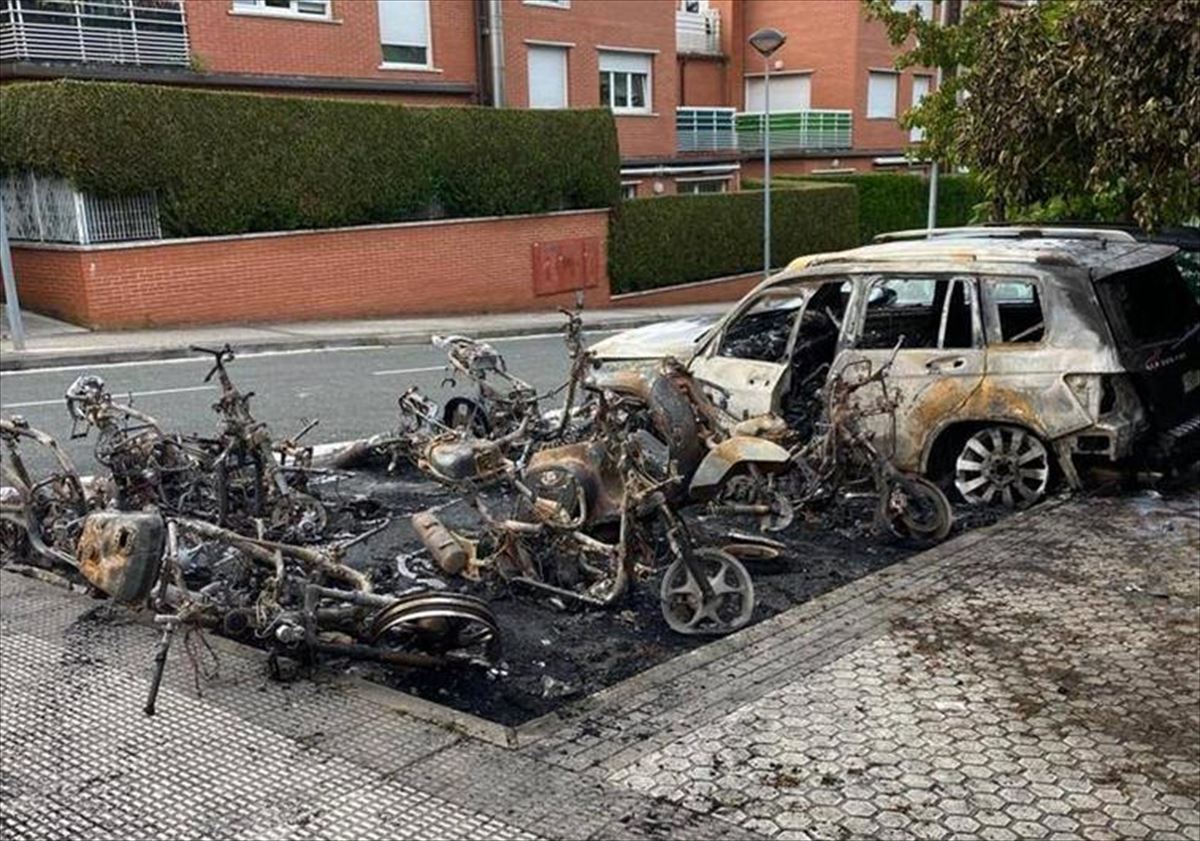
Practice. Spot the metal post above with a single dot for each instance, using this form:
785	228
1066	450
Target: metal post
767	168
931	219
12	305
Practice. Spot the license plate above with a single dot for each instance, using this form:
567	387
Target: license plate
1191	380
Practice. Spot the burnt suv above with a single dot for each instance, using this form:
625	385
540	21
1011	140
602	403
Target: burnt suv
1015	353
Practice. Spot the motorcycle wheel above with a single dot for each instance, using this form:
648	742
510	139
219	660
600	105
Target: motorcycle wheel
916	508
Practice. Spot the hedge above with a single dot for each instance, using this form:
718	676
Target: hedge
894	201
662	241
227	163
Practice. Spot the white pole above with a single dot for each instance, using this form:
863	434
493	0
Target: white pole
931	219
767	168
12	304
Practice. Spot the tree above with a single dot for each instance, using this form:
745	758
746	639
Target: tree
1066	108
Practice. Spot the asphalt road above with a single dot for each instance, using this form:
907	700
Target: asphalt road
352	391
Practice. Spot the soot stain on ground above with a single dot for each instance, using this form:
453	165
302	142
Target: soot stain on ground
557	654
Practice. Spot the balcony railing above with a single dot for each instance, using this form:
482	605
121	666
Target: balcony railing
698	32
110	31
791	131
724	130
705	129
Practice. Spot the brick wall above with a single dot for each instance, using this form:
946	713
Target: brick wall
345	46
641	24
482	265
49	281
702	81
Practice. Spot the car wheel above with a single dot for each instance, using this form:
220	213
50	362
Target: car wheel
1002	464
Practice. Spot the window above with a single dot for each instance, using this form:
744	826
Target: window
918	312
629	189
695	7
924	7
702	185
920	90
284	8
762	332
1152	303
1018	311
625	81
557	4
789	92
881	95
547	77
404	32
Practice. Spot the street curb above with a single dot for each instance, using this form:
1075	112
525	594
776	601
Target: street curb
27	360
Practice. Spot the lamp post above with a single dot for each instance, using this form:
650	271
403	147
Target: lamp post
12	305
766	41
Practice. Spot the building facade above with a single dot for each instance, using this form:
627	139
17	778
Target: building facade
686	90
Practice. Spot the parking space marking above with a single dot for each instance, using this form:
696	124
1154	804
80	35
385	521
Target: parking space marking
425	370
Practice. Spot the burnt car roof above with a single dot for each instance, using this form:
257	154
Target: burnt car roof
955	249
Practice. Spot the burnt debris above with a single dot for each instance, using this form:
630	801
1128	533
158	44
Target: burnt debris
577	497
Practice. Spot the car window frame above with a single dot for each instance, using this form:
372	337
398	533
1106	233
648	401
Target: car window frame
866	283
991	311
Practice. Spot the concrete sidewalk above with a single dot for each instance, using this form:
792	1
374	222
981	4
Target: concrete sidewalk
1036	678
51	343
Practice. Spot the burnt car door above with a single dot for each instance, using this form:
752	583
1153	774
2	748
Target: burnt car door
932	324
785	335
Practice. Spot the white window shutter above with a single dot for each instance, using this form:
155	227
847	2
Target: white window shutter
404	22
920	91
881	94
625	62
547	77
791	92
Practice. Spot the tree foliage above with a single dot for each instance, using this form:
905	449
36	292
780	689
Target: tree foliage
1066	108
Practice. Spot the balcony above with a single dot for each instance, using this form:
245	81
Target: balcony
108	31
698	33
705	129
724	130
813	129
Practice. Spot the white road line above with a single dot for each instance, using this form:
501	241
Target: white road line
31	403
193	359
408	371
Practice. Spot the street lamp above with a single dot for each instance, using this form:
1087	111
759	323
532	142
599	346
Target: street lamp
766	41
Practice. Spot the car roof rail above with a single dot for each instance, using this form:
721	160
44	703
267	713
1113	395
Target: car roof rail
1008	232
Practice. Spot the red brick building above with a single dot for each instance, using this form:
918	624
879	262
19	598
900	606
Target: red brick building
678	74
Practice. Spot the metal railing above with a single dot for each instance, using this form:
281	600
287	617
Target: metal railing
698	32
814	128
705	129
38	208
109	31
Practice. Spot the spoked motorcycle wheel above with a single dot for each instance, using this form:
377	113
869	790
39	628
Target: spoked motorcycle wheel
688	611
912	506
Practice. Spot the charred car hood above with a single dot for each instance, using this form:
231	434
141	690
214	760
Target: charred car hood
655	341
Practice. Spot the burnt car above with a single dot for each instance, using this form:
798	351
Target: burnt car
1016	354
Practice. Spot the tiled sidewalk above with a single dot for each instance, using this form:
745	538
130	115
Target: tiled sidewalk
1038	678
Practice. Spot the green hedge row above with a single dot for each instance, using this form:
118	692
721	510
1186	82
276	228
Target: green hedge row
676	239
225	163
896	201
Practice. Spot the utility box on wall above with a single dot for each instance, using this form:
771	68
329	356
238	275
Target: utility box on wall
566	265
